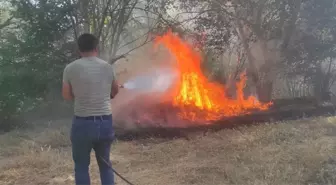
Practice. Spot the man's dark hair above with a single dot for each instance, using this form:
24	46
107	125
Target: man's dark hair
87	42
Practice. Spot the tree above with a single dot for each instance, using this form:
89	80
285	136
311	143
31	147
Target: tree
312	54
121	25
264	28
38	40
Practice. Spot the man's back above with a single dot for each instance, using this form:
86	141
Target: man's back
91	80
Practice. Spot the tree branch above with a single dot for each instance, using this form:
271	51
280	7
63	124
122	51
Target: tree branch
102	22
6	23
112	61
145	34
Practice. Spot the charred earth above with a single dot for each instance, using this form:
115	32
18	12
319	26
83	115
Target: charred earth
161	121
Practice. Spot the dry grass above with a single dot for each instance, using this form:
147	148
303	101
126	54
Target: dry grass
292	153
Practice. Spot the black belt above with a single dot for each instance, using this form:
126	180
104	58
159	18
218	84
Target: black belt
103	117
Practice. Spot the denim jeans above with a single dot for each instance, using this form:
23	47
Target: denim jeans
92	133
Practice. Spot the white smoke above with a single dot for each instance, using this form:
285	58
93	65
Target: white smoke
159	80
141	94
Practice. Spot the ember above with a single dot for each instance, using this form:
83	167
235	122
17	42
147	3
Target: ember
196	97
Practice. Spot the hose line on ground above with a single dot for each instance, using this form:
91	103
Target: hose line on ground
118	174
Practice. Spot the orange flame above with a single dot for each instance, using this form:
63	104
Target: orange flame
198	98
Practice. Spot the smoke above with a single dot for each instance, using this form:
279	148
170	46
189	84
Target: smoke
142	96
149	78
159	80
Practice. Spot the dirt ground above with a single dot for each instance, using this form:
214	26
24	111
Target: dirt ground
288	153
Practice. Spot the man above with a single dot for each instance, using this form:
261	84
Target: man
90	82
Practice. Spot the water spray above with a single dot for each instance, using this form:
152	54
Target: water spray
158	80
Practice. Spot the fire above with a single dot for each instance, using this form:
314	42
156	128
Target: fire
198	98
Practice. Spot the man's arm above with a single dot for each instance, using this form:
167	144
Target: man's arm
114	89
115	86
66	86
67	91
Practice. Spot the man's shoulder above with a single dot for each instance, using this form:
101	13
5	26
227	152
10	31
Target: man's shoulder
73	63
103	62
100	60
84	62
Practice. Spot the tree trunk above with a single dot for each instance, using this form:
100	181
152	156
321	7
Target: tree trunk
322	85
84	5
264	91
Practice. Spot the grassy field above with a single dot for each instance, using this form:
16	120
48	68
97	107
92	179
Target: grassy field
289	153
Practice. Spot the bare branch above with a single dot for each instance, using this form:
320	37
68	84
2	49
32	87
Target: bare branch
6	23
145	34
102	22
128	52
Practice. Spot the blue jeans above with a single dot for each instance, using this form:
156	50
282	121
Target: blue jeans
89	133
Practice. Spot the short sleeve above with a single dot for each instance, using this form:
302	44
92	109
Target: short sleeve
66	75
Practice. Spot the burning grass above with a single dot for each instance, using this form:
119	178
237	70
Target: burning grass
288	153
193	90
188	100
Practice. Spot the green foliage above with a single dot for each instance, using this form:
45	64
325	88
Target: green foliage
37	41
312	53
31	60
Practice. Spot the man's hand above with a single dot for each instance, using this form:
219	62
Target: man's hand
67	91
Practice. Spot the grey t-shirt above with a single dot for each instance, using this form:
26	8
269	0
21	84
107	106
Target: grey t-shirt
91	81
